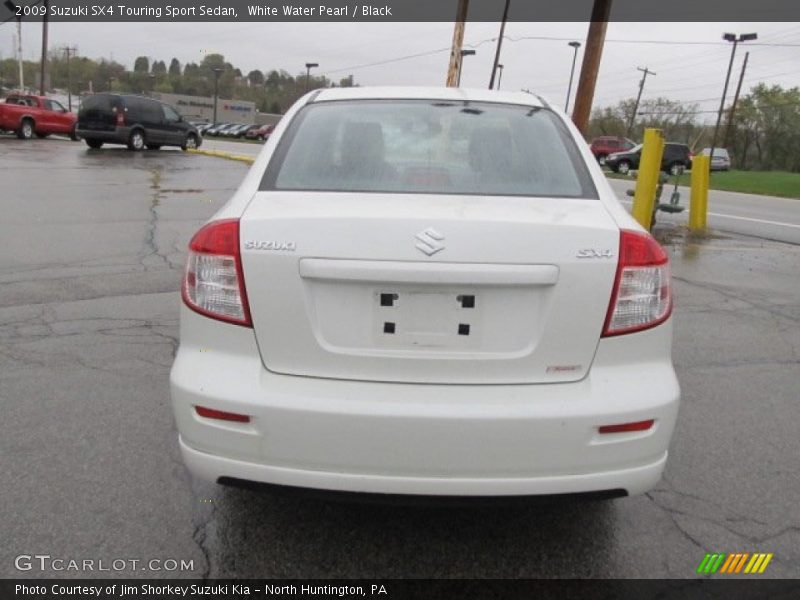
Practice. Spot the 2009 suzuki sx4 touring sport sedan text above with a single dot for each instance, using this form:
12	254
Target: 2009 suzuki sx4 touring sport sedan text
426	291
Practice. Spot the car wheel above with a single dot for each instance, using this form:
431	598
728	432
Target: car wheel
136	141
94	143
153	146
624	167
26	129
601	159
676	168
190	143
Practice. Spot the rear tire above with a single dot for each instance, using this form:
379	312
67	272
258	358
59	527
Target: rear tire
26	129
675	168
94	143
136	141
601	159
624	167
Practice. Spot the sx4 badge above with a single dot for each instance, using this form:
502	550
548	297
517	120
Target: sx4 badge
594	253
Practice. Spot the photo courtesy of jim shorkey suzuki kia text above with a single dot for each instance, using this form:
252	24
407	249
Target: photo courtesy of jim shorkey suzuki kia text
123	590
338	298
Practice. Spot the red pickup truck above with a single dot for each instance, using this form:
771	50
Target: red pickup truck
36	115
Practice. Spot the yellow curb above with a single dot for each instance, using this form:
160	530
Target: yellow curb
220	154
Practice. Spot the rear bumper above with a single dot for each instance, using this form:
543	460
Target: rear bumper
633	480
474	440
118	136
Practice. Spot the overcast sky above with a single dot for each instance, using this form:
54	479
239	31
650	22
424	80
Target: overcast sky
684	71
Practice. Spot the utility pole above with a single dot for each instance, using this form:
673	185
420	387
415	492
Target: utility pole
591	64
499	75
13	9
499	44
728	37
69	50
726	139
631	121
19	57
454	67
43	65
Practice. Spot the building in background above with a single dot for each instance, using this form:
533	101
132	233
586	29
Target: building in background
199	108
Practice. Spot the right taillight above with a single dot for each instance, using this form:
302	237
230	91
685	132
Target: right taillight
642	294
213	284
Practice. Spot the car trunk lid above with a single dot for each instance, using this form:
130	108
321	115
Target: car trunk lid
428	288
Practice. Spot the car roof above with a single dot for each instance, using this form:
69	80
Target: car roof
428	93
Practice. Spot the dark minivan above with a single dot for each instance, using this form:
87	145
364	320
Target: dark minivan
136	121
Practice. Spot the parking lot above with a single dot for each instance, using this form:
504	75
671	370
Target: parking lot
93	249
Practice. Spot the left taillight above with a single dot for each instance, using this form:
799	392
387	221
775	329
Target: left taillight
213	284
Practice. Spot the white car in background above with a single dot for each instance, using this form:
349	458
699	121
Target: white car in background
721	160
426	291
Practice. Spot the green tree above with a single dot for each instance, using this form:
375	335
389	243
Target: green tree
256	78
141	65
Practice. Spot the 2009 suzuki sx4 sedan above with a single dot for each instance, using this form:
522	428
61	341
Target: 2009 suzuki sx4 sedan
430	292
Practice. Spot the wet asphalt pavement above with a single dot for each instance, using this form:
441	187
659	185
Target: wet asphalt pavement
93	247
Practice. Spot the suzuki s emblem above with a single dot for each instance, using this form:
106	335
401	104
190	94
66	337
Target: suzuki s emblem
429	241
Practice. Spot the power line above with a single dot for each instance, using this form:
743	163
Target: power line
697	112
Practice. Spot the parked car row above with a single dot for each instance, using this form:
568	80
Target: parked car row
237	130
622	155
138	122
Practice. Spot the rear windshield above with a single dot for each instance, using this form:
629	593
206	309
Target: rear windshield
423	146
100	102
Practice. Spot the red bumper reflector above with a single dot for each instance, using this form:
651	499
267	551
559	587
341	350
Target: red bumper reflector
622	427
221	415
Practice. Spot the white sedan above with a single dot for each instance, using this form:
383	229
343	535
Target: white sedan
426	291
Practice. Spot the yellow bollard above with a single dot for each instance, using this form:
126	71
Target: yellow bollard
698	204
647	179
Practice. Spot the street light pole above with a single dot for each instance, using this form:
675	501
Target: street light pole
732	111
463	53
309	66
499	45
499	75
217	73
728	37
69	50
575	45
